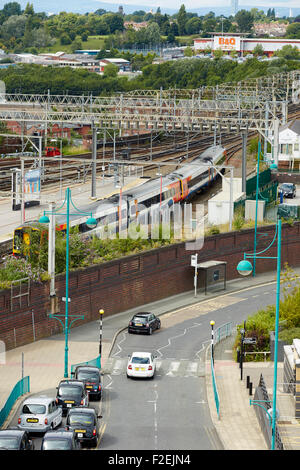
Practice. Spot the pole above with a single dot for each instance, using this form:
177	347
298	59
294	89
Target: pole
23	192
212	340
68	192
276	333
256	207
244	161
94	157
100	337
60	164
231	199
51	249
196	274
242	353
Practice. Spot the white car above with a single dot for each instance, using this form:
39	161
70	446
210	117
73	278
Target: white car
141	364
39	414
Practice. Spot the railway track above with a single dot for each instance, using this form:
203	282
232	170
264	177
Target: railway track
163	150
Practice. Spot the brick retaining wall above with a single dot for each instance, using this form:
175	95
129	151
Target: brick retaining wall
135	280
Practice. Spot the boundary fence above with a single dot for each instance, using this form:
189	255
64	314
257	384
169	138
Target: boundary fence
21	387
221	333
93	362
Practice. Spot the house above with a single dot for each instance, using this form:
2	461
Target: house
135	26
289	145
273	29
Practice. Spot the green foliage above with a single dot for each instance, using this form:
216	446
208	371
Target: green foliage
213	230
262	322
238	219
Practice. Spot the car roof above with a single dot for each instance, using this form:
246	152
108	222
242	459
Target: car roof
142	314
141	353
41	399
12	432
88	367
71	382
81	409
59	433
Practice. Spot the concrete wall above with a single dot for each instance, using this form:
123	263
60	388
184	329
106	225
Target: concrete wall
135	280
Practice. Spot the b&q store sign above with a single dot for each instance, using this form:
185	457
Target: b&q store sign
227	43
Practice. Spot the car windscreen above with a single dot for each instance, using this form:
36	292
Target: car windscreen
81	418
69	390
140	360
57	444
9	443
91	375
140	319
34	409
286	186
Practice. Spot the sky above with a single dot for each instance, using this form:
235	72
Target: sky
190	4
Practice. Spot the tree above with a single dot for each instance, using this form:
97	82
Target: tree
193	25
29	9
244	20
111	71
181	20
289	52
12	8
293	31
258	50
65	39
153	33
188	52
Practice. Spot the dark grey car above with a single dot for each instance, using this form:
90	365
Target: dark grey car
84	422
91	377
144	322
288	189
15	439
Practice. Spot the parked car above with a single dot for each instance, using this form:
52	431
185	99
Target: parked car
84	422
91	377
288	189
141	364
144	322
71	392
39	414
60	439
15	439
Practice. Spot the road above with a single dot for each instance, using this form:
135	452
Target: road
170	412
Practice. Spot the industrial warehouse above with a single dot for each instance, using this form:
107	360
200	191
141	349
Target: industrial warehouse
229	42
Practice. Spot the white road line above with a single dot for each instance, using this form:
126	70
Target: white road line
174	366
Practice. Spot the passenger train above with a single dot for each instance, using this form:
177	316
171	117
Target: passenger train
116	212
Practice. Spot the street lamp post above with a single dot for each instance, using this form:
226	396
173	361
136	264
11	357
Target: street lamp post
101	312
212	340
91	222
245	268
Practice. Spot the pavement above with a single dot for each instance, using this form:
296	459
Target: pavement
236	425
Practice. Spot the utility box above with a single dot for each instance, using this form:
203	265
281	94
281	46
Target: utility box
288	211
250	210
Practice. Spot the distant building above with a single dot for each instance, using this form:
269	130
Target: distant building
234	7
243	45
134	25
289	145
274	29
124	65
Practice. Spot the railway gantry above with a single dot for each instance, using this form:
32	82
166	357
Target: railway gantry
258	105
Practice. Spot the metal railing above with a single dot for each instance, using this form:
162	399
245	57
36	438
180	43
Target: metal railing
21	387
221	333
93	362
